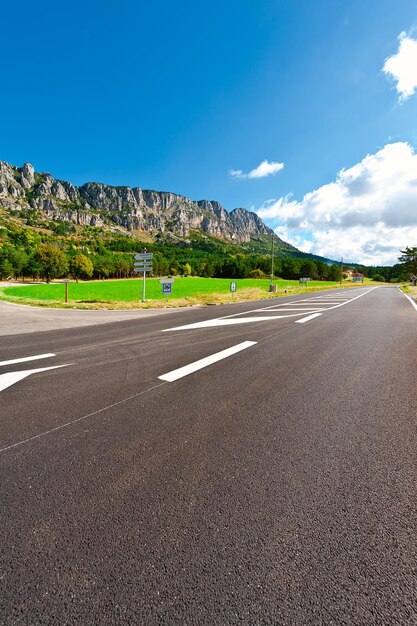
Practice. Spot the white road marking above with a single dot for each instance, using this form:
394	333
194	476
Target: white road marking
300	310
410	299
364	293
9	379
209	360
27	358
222	321
237	318
308	318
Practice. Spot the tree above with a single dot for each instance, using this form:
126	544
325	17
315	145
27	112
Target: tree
308	269
334	273
409	259
6	268
53	262
257	274
33	266
186	270
103	265
322	270
81	266
290	268
19	259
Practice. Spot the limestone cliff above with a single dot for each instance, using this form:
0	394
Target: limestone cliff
126	208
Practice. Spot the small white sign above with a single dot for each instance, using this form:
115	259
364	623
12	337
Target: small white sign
233	287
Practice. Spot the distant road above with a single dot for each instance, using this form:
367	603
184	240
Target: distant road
246	464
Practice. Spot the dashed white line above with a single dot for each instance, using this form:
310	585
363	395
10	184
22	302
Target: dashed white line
27	358
209	360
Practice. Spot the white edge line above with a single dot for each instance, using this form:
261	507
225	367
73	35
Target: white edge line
308	318
209	360
27	358
408	298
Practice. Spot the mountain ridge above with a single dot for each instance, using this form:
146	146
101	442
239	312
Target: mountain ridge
128	209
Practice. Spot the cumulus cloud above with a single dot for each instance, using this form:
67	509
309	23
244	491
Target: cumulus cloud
266	168
366	215
403	66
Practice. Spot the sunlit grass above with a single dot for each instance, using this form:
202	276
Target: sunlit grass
128	293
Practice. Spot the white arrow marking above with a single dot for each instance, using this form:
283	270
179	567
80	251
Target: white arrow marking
6	380
27	358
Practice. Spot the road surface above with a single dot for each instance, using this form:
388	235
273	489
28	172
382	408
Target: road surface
245	464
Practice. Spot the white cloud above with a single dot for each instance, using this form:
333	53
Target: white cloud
366	215
266	168
403	66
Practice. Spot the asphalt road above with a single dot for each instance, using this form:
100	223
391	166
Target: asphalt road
276	485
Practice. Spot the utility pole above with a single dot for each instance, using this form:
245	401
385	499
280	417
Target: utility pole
272	264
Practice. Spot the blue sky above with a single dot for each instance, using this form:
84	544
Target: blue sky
177	95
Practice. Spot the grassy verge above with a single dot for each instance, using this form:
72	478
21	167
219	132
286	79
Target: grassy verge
126	294
410	290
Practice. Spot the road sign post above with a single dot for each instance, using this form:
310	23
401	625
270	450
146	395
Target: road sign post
167	289
233	288
166	286
143	263
66	281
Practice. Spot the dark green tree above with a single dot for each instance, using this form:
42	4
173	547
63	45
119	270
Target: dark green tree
334	272
408	259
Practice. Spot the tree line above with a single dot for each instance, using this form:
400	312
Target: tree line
26	253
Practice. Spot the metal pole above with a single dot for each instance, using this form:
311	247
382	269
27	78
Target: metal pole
143	286
341	270
66	293
272	262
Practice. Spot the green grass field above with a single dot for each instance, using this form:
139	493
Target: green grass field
192	290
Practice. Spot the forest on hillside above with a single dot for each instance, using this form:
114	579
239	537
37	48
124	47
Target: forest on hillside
59	252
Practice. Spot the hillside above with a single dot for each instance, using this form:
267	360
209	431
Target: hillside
37	198
52	229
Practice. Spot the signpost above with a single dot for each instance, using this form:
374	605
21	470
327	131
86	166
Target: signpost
233	288
66	281
143	263
166	286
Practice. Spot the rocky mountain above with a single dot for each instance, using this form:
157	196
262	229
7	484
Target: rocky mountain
124	208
